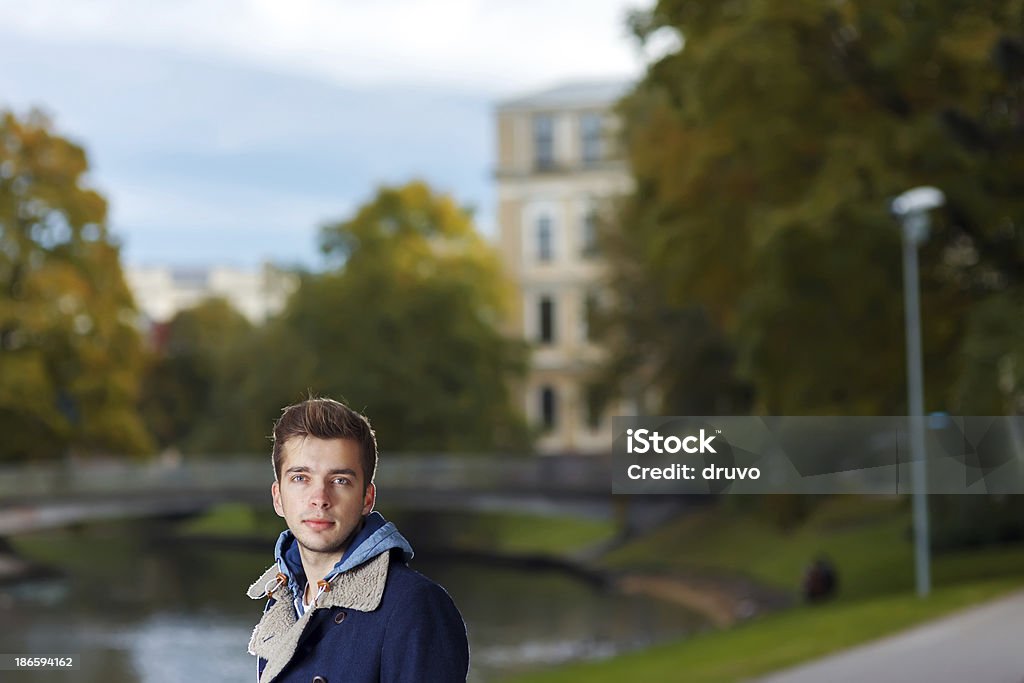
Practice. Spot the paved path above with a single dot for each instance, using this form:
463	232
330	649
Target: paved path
981	645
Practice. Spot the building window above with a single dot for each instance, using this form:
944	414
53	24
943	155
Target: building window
591	138
589	316
548	408
588	238
546	317
592	407
544	140
545	239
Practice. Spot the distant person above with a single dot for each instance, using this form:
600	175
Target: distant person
821	580
344	605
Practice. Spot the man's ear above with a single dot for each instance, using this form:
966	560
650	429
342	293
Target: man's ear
369	498
275	493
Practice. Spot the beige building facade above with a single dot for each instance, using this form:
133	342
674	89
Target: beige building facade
557	170
163	291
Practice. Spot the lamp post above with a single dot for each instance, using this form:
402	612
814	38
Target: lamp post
911	208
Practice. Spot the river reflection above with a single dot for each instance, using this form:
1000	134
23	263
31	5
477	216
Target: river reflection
138	605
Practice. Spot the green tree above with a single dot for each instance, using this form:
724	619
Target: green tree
70	354
266	370
416	342
765	152
404	326
672	358
184	374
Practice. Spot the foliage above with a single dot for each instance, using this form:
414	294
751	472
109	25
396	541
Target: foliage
182	375
959	522
413	336
991	379
765	152
262	372
70	354
404	327
676	349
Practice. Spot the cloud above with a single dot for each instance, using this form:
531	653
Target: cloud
491	45
227	130
180	144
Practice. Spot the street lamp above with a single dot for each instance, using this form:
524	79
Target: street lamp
911	208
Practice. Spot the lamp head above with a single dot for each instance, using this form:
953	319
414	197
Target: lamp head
917	200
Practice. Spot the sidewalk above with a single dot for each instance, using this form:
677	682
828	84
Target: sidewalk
980	645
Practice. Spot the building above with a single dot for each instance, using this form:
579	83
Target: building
162	291
557	167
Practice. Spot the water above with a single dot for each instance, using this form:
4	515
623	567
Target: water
138	605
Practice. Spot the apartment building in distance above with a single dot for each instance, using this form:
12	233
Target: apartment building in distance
162	291
557	166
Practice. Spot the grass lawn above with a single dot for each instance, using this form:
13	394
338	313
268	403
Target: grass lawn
234	520
868	540
776	641
530	534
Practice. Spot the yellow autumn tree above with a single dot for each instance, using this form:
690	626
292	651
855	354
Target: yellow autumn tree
70	353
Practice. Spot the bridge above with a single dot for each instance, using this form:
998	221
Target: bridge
34	497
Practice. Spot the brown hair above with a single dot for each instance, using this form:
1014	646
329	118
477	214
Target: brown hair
325	418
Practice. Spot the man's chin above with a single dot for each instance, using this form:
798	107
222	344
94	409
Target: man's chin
320	545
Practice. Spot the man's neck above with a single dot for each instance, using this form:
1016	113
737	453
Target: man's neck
316	566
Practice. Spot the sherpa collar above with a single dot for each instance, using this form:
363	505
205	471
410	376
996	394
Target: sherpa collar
360	588
375	535
276	637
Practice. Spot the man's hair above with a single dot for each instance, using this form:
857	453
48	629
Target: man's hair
325	418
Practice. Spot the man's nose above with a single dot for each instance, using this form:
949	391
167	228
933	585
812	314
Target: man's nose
319	498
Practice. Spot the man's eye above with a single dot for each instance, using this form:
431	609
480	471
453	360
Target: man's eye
341	480
298	477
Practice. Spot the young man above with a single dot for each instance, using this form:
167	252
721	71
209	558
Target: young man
344	606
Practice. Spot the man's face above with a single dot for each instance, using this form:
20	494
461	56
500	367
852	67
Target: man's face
320	493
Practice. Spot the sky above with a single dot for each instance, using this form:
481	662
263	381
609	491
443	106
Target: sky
228	131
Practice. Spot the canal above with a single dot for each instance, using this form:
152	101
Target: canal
139	603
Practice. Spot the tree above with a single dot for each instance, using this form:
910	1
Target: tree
765	152
404	327
263	372
183	375
415	338
674	359
70	354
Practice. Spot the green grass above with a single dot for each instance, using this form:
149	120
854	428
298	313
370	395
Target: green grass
234	520
865	538
530	534
776	641
868	539
984	563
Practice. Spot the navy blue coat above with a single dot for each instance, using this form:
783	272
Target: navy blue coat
381	622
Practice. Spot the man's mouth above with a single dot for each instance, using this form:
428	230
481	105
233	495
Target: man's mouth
318	524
